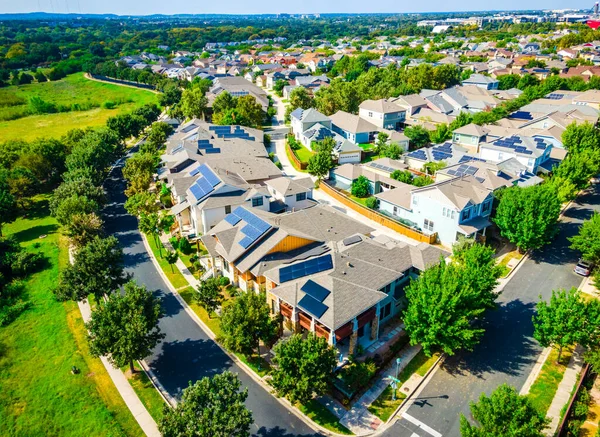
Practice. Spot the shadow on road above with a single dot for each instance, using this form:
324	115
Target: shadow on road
279	432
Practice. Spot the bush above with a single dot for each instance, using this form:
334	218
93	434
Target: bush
185	246
357	374
39	106
372	202
174	242
224	281
361	187
25	263
109	104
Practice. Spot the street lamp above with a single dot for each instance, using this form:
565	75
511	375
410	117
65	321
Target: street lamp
398	361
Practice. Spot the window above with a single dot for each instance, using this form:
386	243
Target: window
300	196
466	214
225	265
474	140
452	215
500	156
415	201
385	311
486	207
370	114
444	210
395	210
227	209
257	201
428	225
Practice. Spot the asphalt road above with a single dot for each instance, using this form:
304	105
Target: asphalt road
508	350
187	353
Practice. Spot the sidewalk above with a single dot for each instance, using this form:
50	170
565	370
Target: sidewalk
139	411
565	388
359	419
164	238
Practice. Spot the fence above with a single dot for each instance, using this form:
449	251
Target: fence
378	217
123	82
297	163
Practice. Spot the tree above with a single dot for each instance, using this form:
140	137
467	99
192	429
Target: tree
138	171
361	187
418	136
299	98
171	257
170	96
393	151
8	203
209	295
580	137
527	216
246	322
250	110
159	132
442	306
72	206
587	241
562	322
480	270
504	414
440	134
125	326
279	86
83	228
142	203
224	102
527	80
319	164
577	168
381	142
403	176
372	202
433	167
97	269
193	103
126	125
211	407
303	367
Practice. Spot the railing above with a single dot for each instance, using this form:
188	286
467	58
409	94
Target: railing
378	217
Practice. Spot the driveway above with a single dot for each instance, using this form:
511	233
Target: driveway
187	353
508	350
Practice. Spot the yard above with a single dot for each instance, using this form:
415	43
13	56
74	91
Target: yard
302	153
38	393
86	103
544	388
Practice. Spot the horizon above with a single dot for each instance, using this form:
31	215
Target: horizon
238	7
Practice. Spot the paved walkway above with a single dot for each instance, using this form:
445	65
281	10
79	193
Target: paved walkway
565	388
164	238
359	419
139	411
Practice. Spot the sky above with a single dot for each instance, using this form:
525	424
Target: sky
148	7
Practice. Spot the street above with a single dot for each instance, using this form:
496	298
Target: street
508	351
187	353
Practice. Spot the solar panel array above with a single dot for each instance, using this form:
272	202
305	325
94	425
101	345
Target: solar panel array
231	132
467	158
521	115
555	96
312	302
540	143
255	227
418	154
442	152
512	143
305	268
205	184
382	167
463	170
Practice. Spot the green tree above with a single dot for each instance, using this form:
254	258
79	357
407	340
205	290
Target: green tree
211	407
580	137
246	322
171	257
403	176
97	269
170	96
527	81
527	217
381	142
361	187
250	110
125	326
148	225
72	206
303	367
138	172
8	203
158	135
442	305
141	203
441	133
223	102
83	228
393	151
319	164
504	414
279	86
299	98
562	322
431	168
372	202
480	270
418	136
193	103
209	295
587	241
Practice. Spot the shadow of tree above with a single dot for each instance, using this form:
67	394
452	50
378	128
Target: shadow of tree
280	432
34	233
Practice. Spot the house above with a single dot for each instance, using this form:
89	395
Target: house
451	208
290	194
470	136
412	103
303	120
378	173
355	129
382	113
481	81
317	267
532	152
447	153
238	87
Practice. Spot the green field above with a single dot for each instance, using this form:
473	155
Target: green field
38	393
72	90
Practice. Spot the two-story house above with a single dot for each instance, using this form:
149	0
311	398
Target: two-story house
470	136
529	151
481	81
382	113
290	194
304	119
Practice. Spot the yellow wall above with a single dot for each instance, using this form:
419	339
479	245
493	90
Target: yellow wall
290	243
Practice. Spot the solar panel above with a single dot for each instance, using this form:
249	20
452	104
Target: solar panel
352	240
555	96
213	150
471	170
452	172
315	290
197	191
209	175
312	306
306	268
251	232
232	219
246	241
195	171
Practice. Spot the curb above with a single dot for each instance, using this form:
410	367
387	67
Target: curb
299	414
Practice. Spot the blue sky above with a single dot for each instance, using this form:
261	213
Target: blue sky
146	7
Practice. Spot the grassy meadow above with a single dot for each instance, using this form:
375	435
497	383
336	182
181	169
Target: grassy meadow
82	102
38	393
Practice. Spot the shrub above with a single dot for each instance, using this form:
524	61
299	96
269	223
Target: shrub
25	263
109	104
224	281
372	202
174	242
39	106
360	187
185	246
357	374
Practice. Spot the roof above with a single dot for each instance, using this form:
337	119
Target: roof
472	129
400	195
310	115
460	191
352	123
382	106
288	186
480	78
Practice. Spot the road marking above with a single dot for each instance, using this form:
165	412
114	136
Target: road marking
421	425
414	434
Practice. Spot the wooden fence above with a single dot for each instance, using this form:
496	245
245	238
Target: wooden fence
297	163
378	217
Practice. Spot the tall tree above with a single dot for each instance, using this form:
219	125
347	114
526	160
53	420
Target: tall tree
361	187
193	103
246	322
319	164
418	136
250	110
97	270
563	322
224	102
580	137
303	367
171	257
504	414
8	203
299	98
587	241
138	172
211	407
209	295
125	326
527	216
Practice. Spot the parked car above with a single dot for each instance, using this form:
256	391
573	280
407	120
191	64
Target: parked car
583	267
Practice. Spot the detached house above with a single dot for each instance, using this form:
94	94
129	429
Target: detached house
382	113
482	81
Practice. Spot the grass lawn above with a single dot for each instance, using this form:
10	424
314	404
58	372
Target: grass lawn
289	156
361	200
371	158
544	388
73	89
174	275
146	391
303	153
384	406
318	413
366	146
38	393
